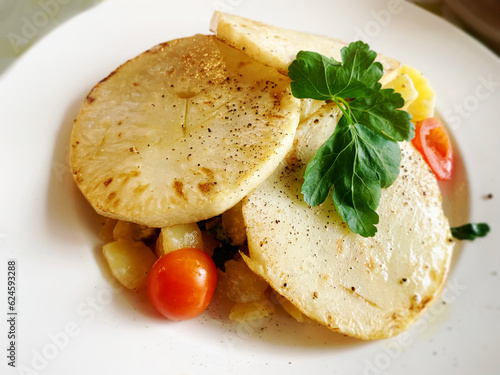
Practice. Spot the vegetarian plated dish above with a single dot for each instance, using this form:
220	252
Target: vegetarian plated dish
261	161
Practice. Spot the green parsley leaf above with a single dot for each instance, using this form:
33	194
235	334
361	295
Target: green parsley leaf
321	78
378	111
362	156
470	231
357	162
359	74
312	73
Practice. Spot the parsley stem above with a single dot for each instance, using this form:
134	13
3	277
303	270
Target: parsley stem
344	107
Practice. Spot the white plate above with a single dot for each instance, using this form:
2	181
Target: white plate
71	321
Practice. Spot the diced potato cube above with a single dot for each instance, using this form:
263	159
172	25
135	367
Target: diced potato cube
177	237
107	230
239	283
423	106
131	231
244	312
403	84
130	262
234	225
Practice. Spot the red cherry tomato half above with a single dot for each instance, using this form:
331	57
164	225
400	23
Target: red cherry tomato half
433	142
181	283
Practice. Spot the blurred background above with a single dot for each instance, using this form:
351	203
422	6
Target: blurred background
24	22
480	18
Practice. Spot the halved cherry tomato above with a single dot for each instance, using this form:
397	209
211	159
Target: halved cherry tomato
181	283
433	142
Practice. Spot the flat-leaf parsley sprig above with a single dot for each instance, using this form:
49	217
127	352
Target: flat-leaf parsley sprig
362	155
470	231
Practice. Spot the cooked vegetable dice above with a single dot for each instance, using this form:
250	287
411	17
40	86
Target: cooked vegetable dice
130	262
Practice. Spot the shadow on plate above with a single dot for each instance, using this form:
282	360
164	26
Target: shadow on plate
456	197
277	329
